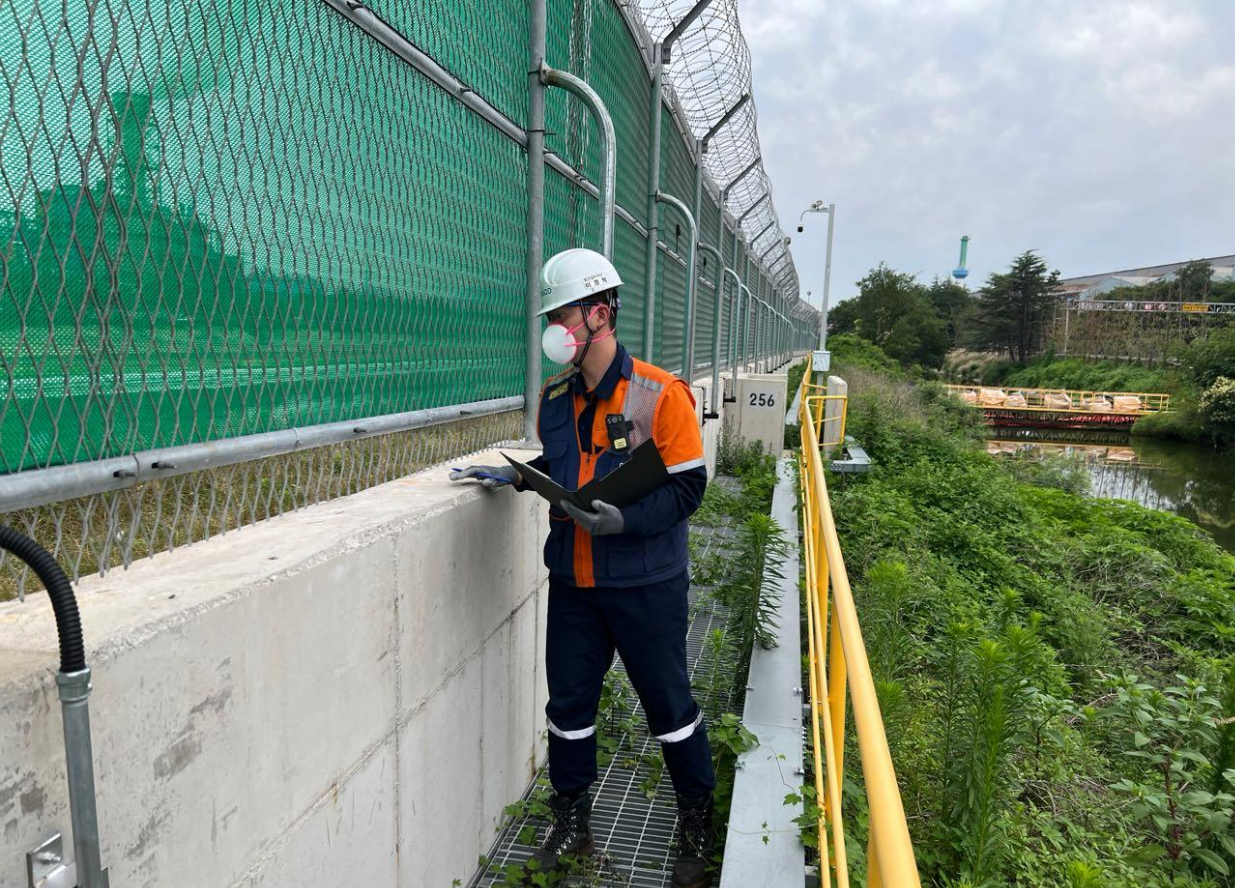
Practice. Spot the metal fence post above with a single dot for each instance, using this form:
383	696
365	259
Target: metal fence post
535	213
701	148
690	273
716	317
697	209
579	88
653	245
661	52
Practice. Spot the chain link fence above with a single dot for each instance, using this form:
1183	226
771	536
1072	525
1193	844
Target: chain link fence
224	220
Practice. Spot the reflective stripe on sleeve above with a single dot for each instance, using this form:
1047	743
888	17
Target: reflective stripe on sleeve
686	466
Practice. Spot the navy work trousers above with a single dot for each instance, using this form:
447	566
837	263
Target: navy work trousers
647	626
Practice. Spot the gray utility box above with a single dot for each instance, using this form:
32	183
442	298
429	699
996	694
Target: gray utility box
762	400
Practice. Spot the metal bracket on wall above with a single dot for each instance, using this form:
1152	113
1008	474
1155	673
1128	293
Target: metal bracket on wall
45	866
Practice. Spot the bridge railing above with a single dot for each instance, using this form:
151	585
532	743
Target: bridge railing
838	666
1056	400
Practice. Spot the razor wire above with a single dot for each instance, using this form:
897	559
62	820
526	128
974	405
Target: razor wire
235	218
709	73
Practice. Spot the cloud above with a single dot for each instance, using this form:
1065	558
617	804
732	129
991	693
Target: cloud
1096	132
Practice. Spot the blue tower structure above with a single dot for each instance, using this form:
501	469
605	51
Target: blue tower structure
961	272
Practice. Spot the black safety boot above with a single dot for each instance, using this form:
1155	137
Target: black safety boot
696	839
569	834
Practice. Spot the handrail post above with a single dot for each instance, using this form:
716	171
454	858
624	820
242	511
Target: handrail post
581	89
662	197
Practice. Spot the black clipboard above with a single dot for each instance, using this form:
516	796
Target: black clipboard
634	479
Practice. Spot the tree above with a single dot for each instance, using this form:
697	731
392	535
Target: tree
1218	408
1211	357
952	303
884	297
1013	308
843	317
894	312
1192	281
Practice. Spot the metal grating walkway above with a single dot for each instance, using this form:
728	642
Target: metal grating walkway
635	834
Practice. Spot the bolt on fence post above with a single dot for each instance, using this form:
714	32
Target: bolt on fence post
535	213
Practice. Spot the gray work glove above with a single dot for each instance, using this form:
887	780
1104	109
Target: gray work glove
605	520
491	477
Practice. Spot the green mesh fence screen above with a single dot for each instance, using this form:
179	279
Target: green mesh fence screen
232	217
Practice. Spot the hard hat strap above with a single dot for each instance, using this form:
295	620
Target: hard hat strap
591	334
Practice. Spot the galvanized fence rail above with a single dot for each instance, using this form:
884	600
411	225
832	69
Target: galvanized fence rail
253	257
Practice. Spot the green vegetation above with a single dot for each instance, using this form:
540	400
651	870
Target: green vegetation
913	323
1075	373
1057	673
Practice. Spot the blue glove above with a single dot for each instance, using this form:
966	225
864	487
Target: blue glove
490	477
605	520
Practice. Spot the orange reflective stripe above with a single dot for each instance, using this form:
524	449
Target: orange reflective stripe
585	573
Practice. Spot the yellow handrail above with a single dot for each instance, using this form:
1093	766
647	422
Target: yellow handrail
837	638
819	417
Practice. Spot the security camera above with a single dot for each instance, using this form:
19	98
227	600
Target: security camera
800	229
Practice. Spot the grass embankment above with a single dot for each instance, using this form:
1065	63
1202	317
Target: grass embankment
1057	673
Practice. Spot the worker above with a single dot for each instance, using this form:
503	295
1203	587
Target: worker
618	577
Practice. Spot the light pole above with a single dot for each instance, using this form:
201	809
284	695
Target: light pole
830	209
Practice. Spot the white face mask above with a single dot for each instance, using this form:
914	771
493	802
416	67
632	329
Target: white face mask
559	343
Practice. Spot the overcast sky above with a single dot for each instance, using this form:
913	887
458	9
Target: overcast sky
1099	132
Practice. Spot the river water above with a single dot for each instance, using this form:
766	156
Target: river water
1187	479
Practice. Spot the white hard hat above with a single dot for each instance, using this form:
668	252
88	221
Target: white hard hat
573	275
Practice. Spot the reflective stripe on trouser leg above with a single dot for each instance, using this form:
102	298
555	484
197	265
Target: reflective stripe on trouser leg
578	652
688	758
681	733
649	624
580	734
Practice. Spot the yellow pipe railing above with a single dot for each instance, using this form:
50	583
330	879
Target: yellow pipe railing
838	664
818	396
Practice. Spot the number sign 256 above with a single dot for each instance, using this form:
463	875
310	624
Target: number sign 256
762	399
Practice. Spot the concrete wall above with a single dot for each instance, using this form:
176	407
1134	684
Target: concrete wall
345	695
